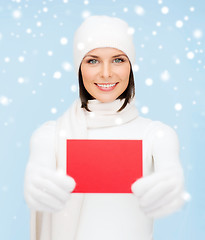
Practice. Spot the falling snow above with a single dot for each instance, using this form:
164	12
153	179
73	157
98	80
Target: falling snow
53	110
67	66
144	109
86	14
17	14
190	55
165	10
57	75
192	9
7	59
178	106
86	2
64	41
139	10
197	33
5	101
136	68
149	82
179	24
21	80
74	88
21	59
36	66
39	24
177	61
131	30
165	76
50	53
29	31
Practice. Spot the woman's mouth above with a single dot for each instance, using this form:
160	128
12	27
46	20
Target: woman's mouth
106	86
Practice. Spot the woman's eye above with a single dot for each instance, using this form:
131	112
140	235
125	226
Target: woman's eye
119	60
91	61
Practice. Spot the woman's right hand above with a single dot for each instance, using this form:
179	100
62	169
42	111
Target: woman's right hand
46	189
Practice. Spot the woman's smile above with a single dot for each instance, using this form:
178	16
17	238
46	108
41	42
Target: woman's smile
106	86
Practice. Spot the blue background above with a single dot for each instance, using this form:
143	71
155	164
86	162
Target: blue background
31	52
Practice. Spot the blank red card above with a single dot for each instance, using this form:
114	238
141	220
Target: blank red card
104	166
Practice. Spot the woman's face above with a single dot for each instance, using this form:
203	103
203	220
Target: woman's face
105	73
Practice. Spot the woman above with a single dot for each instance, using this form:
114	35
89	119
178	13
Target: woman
104	55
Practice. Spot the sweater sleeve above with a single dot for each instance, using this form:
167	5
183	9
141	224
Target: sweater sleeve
42	145
42	153
165	148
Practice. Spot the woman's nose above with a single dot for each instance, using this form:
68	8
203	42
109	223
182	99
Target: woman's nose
106	70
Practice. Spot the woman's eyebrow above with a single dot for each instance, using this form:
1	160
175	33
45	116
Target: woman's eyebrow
112	56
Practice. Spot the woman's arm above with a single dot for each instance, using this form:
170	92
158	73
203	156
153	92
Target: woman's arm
45	189
162	192
42	145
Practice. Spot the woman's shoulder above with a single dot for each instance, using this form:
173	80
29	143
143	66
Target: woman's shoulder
157	129
45	131
42	144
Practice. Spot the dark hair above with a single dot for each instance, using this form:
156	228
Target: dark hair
128	94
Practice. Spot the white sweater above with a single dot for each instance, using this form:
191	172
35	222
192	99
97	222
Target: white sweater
118	216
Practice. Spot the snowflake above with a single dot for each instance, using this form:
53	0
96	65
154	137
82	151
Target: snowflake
86	2
57	75
21	59
5	101
144	109
179	24
178	106
16	14
165	76
136	68
86	14
192	9
149	82
45	9
7	59
197	33
73	88
53	110
50	53
28	30
39	24
139	10
67	66
165	10
131	30
190	55
21	80
63	40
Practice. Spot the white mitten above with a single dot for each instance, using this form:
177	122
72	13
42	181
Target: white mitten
45	189
160	193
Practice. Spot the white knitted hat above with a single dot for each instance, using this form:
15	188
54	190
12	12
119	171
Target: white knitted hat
102	31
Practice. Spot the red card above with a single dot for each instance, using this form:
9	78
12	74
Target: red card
104	166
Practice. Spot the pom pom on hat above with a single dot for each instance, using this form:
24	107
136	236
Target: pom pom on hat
102	31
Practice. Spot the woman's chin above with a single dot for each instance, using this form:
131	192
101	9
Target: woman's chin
106	100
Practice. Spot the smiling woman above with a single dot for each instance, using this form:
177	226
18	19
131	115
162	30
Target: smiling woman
104	55
106	74
105	79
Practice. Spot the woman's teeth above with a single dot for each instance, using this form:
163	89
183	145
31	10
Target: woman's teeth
106	85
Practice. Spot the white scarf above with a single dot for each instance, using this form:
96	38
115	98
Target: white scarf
73	124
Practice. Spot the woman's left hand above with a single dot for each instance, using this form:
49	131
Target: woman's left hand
160	193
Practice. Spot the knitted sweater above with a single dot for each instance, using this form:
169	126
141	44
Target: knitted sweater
118	216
